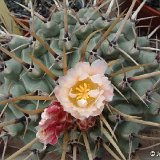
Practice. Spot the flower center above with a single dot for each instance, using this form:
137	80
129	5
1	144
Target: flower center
82	91
79	94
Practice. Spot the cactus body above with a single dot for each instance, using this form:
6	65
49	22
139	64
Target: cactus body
24	78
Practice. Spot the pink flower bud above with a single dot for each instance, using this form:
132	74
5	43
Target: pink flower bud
54	122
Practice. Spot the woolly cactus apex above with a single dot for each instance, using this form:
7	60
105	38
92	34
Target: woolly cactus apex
103	75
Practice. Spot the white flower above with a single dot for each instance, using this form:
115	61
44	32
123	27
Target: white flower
84	90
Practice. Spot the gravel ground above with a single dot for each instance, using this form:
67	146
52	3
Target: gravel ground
153	3
41	6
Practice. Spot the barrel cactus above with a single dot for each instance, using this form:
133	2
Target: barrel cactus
91	74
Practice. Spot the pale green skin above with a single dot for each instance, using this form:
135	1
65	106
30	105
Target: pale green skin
54	31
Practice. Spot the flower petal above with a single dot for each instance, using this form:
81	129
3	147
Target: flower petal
82	67
99	67
97	78
82	103
72	95
94	93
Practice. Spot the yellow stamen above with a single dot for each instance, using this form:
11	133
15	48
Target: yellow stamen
78	89
81	90
81	87
85	86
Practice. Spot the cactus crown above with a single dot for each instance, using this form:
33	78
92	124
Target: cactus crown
30	67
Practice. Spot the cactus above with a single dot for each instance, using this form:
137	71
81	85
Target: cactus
30	67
